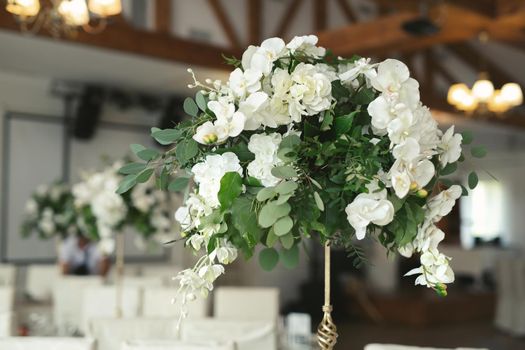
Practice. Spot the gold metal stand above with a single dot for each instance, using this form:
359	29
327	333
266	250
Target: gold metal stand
119	262
327	331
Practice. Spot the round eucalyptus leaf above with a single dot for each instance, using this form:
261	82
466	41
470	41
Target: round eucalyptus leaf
268	258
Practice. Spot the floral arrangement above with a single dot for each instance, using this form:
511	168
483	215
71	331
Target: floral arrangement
299	143
103	212
50	212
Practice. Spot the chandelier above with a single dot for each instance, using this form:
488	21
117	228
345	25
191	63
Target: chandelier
483	97
63	16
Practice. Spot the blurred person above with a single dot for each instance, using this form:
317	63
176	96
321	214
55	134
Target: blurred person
80	256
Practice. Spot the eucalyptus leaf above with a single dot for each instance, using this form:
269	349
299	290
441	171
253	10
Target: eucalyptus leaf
144	175
468	137
136	148
283	198
179	184
283	226
265	193
148	154
290	257
268	258
287	241
284	172
126	184
132	168
478	151
449	169
200	99
318	201
190	107
271	212
166	136
271	239
286	187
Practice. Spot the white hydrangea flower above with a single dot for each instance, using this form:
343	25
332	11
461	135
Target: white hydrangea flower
450	147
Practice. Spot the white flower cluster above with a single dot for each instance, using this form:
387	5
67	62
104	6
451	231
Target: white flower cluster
155	205
259	95
97	190
415	139
265	148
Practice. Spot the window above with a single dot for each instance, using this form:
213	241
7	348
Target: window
482	213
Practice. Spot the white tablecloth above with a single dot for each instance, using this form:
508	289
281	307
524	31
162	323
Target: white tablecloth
405	347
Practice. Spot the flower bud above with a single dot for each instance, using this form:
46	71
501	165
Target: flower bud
422	193
210	138
441	289
413	186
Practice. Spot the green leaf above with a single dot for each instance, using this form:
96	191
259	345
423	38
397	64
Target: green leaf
290	141
245	221
252	181
144	175
290	257
328	119
286	187
179	184
464	191
148	154
136	148
268	259
132	168
343	124
478	151
265	194
284	172
283	226
318	201
473	180
449	169
271	212
287	241
126	184
317	184
271	238
162	180
468	137
201	101
283	198
166	136
186	150
231	188
190	107
363	96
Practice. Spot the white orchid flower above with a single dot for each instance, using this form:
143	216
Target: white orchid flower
307	45
450	146
252	108
244	83
442	204
262	58
366	209
360	66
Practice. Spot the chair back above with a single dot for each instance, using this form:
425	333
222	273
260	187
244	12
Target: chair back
246	303
7	275
7	299
6	324
110	333
101	302
174	345
40	281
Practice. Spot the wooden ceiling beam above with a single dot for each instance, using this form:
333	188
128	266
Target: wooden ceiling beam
120	36
386	34
225	23
287	18
254	16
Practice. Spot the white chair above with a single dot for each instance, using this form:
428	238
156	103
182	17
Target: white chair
506	292
246	303
163	302
6	324
110	333
164	271
40	281
7	275
7	299
174	345
404	347
101	302
47	343
246	335
68	294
